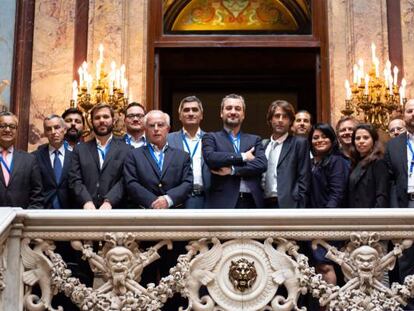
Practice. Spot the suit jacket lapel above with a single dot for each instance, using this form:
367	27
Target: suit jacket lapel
227	141
112	150
168	156
44	154
152	161
178	140
94	152
358	173
16	164
66	164
287	145
403	155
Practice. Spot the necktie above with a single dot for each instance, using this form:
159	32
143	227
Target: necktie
6	173
271	171
57	168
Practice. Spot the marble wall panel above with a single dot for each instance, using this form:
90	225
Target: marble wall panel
407	28
120	25
52	63
7	23
352	26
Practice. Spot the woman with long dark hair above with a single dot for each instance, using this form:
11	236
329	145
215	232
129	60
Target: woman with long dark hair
330	171
369	180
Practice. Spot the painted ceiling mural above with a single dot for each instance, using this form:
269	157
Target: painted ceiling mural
237	15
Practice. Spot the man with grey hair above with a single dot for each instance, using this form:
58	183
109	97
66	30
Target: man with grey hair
190	113
236	160
20	181
54	162
156	175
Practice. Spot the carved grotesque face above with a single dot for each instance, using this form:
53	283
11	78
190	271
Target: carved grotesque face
366	259
119	261
242	274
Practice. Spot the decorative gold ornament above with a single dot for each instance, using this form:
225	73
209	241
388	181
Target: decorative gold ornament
107	88
376	97
242	274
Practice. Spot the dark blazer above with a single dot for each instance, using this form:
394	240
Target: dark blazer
329	183
25	185
293	172
144	182
218	151
50	186
396	158
90	183
369	186
175	140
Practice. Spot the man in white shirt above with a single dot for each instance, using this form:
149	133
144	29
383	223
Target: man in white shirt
190	113
134	123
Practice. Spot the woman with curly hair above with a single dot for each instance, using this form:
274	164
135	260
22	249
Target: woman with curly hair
369	180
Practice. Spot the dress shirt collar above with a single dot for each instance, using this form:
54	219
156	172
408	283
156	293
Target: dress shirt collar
230	131
98	143
280	140
61	149
410	136
131	138
156	149
9	150
198	133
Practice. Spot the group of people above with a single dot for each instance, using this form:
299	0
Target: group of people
301	165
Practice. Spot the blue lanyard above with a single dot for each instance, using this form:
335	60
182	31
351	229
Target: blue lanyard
235	142
8	168
159	160
103	152
187	146
412	155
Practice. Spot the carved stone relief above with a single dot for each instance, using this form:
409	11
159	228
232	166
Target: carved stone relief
241	274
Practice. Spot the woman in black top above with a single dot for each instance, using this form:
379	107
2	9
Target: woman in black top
369	180
330	171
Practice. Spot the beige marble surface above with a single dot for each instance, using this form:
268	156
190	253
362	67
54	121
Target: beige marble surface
352	26
52	63
407	27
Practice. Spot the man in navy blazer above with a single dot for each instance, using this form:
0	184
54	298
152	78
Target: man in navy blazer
236	160
157	175
20	181
56	192
190	112
97	165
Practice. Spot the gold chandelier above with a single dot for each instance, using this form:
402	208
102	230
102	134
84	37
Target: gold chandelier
100	87
373	95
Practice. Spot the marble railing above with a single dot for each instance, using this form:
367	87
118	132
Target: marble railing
215	259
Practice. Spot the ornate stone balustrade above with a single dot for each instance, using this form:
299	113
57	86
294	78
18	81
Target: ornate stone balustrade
233	260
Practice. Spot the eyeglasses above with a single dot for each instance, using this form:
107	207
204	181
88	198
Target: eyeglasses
396	129
139	116
3	126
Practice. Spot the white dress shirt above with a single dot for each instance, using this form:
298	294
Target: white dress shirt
61	154
103	147
196	160
410	177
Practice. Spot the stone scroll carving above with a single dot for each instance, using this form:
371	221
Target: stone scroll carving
239	274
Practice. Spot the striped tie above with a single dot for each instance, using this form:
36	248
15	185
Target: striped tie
4	168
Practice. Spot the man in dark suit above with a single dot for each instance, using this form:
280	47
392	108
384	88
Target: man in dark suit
75	123
156	175
190	112
287	179
236	160
20	180
399	156
97	165
54	162
134	124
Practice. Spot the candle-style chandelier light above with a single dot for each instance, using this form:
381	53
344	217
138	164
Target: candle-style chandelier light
374	95
93	89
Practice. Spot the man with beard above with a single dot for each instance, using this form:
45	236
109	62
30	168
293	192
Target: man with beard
302	124
236	160
134	117
20	180
96	174
287	178
75	123
399	156
190	112
55	161
344	130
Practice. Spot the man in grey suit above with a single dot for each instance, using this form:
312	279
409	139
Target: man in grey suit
287	178
97	165
190	112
